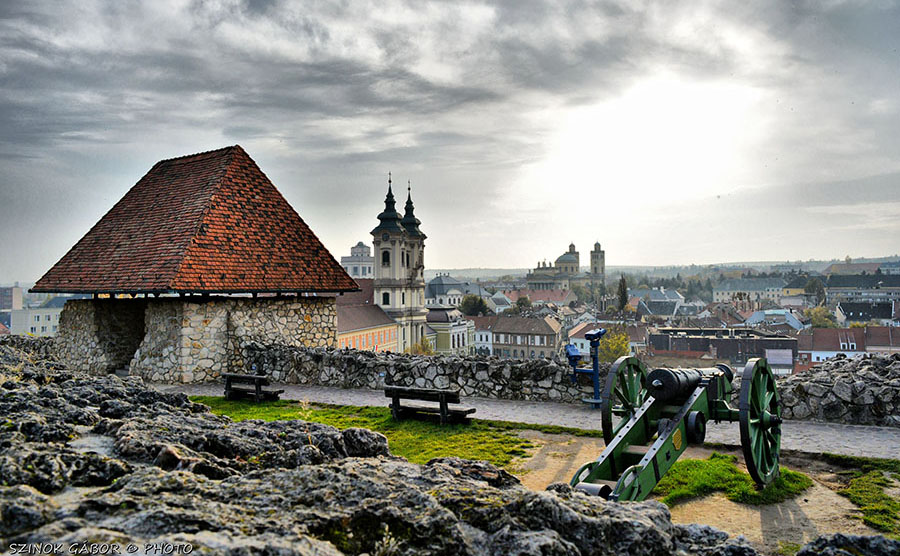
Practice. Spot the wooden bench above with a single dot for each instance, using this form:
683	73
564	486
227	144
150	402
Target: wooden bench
443	397
235	389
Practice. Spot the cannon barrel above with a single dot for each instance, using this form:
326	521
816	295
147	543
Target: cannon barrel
669	384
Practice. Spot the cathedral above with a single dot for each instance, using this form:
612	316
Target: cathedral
399	279
566	271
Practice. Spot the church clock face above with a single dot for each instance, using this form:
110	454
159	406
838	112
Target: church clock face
385	237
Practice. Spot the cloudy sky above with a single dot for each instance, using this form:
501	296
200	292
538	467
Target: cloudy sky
672	133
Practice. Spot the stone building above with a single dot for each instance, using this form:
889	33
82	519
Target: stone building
200	258
566	271
399	269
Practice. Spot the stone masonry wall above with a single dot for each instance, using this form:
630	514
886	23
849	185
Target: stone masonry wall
99	336
862	390
490	377
196	341
180	340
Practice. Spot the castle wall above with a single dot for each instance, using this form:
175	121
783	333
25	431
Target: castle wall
181	340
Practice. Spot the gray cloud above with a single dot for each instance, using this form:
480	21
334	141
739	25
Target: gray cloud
459	98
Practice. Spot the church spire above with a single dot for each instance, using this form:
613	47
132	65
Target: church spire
410	222
389	219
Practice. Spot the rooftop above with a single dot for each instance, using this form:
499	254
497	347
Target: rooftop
210	222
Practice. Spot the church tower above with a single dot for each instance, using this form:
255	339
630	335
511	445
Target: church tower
598	264
399	284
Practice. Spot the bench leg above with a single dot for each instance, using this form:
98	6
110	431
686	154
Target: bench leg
395	407
259	394
445	414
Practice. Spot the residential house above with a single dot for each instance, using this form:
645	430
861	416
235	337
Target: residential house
445	290
882	312
526	337
882	339
891	268
820	344
454	334
499	303
796	286
867	288
484	335
750	289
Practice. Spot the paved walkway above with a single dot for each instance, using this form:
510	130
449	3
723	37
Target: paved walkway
804	436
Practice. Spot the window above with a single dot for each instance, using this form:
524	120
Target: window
385	258
37	318
515	353
43	329
356	271
55	327
403	298
33	330
47	318
385	298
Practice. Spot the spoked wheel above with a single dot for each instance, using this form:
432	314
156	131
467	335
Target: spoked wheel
625	392
760	417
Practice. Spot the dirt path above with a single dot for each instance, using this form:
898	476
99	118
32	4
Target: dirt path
819	510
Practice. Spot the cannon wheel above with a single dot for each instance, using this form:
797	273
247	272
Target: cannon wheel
625	391
760	419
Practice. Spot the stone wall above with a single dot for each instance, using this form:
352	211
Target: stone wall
187	340
100	335
863	390
482	376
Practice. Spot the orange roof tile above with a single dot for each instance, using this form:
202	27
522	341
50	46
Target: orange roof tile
206	223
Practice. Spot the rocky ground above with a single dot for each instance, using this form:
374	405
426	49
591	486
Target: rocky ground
87	459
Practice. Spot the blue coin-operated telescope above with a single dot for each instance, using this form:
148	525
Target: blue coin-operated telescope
574	357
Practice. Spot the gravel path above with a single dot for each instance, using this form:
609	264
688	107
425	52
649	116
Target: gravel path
804	436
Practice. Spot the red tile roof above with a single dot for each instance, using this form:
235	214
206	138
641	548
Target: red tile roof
208	223
3	329
546	296
365	295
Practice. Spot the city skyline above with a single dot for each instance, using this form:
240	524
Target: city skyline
672	135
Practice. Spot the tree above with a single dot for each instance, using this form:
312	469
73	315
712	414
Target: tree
423	347
815	286
613	345
623	292
473	305
821	317
523	302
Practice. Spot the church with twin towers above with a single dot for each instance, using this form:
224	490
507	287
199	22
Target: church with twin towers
399	268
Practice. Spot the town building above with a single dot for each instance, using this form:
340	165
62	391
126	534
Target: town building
540	297
749	289
200	258
820	344
499	303
454	334
360	263
526	337
39	321
445	290
881	312
733	344
863	288
399	284
776	317
565	272
851	268
484	335
890	268
362	324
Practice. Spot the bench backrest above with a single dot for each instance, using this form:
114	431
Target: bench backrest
424	394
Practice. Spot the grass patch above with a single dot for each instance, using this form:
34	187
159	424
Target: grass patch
417	441
788	548
693	478
869	477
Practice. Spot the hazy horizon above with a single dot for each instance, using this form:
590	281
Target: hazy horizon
673	133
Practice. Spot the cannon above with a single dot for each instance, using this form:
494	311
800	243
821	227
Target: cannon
650	418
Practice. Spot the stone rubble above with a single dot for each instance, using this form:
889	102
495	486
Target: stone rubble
100	459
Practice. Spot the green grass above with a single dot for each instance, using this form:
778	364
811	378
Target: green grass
868	479
788	548
417	441
692	478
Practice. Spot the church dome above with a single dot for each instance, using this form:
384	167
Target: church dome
567	258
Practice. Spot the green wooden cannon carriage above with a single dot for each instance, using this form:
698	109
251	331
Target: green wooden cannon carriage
650	418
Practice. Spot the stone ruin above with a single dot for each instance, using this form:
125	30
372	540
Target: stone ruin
107	460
